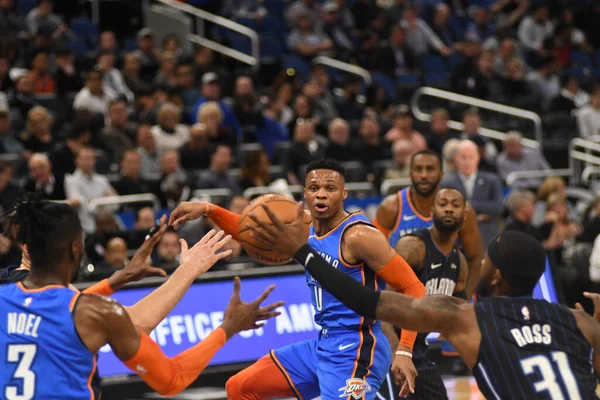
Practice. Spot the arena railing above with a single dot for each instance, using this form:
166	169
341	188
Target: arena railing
198	37
582	154
211	195
395	184
482	104
344	66
588	172
512	177
120	200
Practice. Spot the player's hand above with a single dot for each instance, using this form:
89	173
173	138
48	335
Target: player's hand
595	298
204	254
283	238
187	211
139	266
241	316
405	374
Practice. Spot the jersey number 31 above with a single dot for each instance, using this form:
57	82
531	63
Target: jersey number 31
546	369
22	355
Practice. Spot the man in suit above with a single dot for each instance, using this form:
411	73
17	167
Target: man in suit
396	58
482	189
42	180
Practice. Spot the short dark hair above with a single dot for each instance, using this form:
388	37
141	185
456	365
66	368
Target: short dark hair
329	164
429	153
46	228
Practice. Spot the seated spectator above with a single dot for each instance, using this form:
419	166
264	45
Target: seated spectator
211	91
146	53
63	156
571	96
112	80
38	138
195	154
255	170
481	28
536	28
218	176
211	115
449	154
169	134
107	40
167	252
166	73
484	164
303	108
545	83
115	258
515	158
440	131
339	147
420	37
351	102
145	219
307	40
107	227
43	16
146	146
440	25
23	98
310	8
8	142
322	101
402	151
94	96
12	25
551	185
132	67
172	44
119	134
396	58
42	180
40	74
173	179
588	117
516	89
186	83
305	148
557	214
247	107
9	192
507	51
131	181
403	129
85	185
482	189
67	76
370	144
235	9
334	29
472	125
475	77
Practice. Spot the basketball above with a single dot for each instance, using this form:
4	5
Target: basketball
285	209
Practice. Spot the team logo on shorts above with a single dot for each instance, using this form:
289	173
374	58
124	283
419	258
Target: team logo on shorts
356	388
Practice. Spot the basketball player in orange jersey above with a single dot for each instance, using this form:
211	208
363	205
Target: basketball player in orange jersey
351	357
51	334
410	209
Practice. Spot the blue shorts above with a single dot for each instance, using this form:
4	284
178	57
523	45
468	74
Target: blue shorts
341	364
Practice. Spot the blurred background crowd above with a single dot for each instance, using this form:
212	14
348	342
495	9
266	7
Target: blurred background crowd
93	110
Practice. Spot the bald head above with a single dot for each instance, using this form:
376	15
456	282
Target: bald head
115	253
40	168
467	158
339	132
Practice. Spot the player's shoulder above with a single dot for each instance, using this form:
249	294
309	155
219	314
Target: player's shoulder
99	306
360	229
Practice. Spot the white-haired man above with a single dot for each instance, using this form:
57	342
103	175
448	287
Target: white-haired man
516	157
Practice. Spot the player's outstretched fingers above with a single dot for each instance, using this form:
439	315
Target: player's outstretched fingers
207	237
274	219
223	254
152	271
215	239
269	228
269	310
261	235
237	286
219	245
579	307
263	296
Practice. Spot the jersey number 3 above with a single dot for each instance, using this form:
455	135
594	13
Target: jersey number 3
549	382
22	355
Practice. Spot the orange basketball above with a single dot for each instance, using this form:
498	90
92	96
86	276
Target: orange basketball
285	209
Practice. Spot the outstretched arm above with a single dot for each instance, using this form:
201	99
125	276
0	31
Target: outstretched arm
472	243
100	320
189	211
387	212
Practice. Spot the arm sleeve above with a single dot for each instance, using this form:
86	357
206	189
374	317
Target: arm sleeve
226	220
101	288
169	376
342	286
401	276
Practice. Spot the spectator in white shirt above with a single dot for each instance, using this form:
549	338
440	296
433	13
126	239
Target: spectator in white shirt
169	134
113	80
535	28
85	185
515	157
94	96
420	37
588	117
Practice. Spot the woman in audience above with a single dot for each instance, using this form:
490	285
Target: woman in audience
551	185
169	134
37	137
211	115
255	171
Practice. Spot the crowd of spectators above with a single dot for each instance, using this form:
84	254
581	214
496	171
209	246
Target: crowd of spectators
156	117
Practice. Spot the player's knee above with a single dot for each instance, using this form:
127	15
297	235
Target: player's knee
233	387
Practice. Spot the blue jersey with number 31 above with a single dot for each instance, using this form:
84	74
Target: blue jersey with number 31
41	354
330	313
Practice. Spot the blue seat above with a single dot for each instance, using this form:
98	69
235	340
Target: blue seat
241	43
270	47
386	83
275	7
297	63
581	59
86	29
26	5
130	44
435	79
408	80
273	26
434	63
248	22
78	47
